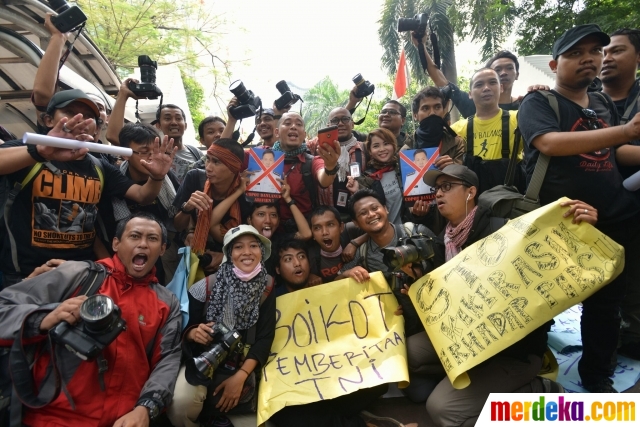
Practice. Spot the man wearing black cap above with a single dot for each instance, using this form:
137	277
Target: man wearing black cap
580	140
266	125
54	213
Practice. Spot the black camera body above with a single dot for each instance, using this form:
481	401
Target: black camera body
147	87
410	249
248	102
418	24
225	341
363	87
68	18
288	98
91	335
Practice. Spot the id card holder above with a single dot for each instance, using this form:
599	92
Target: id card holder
354	168
342	199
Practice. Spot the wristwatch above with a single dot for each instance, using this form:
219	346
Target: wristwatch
152	407
332	171
291	202
183	210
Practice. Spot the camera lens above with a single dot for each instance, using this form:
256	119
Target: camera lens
98	312
357	79
401	255
282	87
408	24
237	88
59	5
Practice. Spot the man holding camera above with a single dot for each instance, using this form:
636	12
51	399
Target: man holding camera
132	379
368	212
54	213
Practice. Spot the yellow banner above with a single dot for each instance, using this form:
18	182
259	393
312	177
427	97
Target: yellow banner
506	285
332	340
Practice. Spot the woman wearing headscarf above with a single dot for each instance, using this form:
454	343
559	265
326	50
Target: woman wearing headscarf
239	298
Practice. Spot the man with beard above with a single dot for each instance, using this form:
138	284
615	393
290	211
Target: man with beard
618	75
580	140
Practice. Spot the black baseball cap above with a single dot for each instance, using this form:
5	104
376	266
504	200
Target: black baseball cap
457	171
575	34
269	112
65	97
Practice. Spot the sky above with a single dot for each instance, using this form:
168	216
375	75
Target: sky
302	41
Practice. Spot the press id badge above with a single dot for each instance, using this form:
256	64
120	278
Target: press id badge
342	199
355	169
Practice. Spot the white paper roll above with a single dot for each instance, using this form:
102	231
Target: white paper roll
52	141
633	182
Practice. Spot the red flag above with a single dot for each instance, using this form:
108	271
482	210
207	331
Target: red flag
402	77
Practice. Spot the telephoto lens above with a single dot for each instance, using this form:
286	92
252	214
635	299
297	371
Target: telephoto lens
237	88
363	87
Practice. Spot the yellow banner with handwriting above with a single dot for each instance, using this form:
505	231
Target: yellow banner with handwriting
506	285
332	340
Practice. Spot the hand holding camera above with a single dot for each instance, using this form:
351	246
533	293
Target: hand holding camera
202	334
68	311
52	28
288	98
69	17
146	88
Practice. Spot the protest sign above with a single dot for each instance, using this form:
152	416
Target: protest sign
501	288
413	165
265	168
328	346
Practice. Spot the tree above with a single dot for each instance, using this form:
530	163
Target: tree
544	21
392	41
195	98
323	97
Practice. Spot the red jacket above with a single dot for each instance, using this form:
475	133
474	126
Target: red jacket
143	361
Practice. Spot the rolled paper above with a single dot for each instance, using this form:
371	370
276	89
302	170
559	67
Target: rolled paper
633	182
73	144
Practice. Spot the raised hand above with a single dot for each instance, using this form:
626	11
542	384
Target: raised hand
160	161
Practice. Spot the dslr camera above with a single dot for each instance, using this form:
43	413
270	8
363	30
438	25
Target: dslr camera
415	248
100	324
249	102
69	17
418	24
288	98
147	87
225	342
363	87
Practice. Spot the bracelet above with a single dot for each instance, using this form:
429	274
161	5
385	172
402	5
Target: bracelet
354	243
245	371
333	171
33	152
156	179
291	202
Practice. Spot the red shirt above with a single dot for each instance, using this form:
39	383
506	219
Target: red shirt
300	194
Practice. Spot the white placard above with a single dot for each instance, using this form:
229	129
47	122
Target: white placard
52	141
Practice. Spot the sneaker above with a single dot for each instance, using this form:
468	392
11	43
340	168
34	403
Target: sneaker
604	385
376	421
550	386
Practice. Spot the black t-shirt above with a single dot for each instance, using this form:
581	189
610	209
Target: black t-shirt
55	215
194	181
591	177
324	267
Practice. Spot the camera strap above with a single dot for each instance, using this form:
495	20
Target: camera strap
64	57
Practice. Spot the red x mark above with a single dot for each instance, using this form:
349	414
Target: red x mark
266	173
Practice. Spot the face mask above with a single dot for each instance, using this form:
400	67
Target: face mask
430	131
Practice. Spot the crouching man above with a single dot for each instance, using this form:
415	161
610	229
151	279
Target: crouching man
132	379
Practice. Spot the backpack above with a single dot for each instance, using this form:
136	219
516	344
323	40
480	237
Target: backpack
16	380
505	201
307	179
491	172
9	194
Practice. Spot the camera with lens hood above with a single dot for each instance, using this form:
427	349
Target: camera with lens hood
248	102
225	342
411	249
418	24
68	18
147	87
363	87
100	324
287	98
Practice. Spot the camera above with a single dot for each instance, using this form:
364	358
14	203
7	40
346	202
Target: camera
225	341
363	87
101	322
69	17
415	248
147	87
288	98
249	102
418	24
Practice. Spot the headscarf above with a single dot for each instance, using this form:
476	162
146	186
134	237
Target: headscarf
454	238
293	153
203	224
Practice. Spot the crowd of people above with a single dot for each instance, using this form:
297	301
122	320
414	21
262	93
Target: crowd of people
67	207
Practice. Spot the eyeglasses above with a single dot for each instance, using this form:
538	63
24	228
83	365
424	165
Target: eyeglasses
337	120
445	186
389	112
592	118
